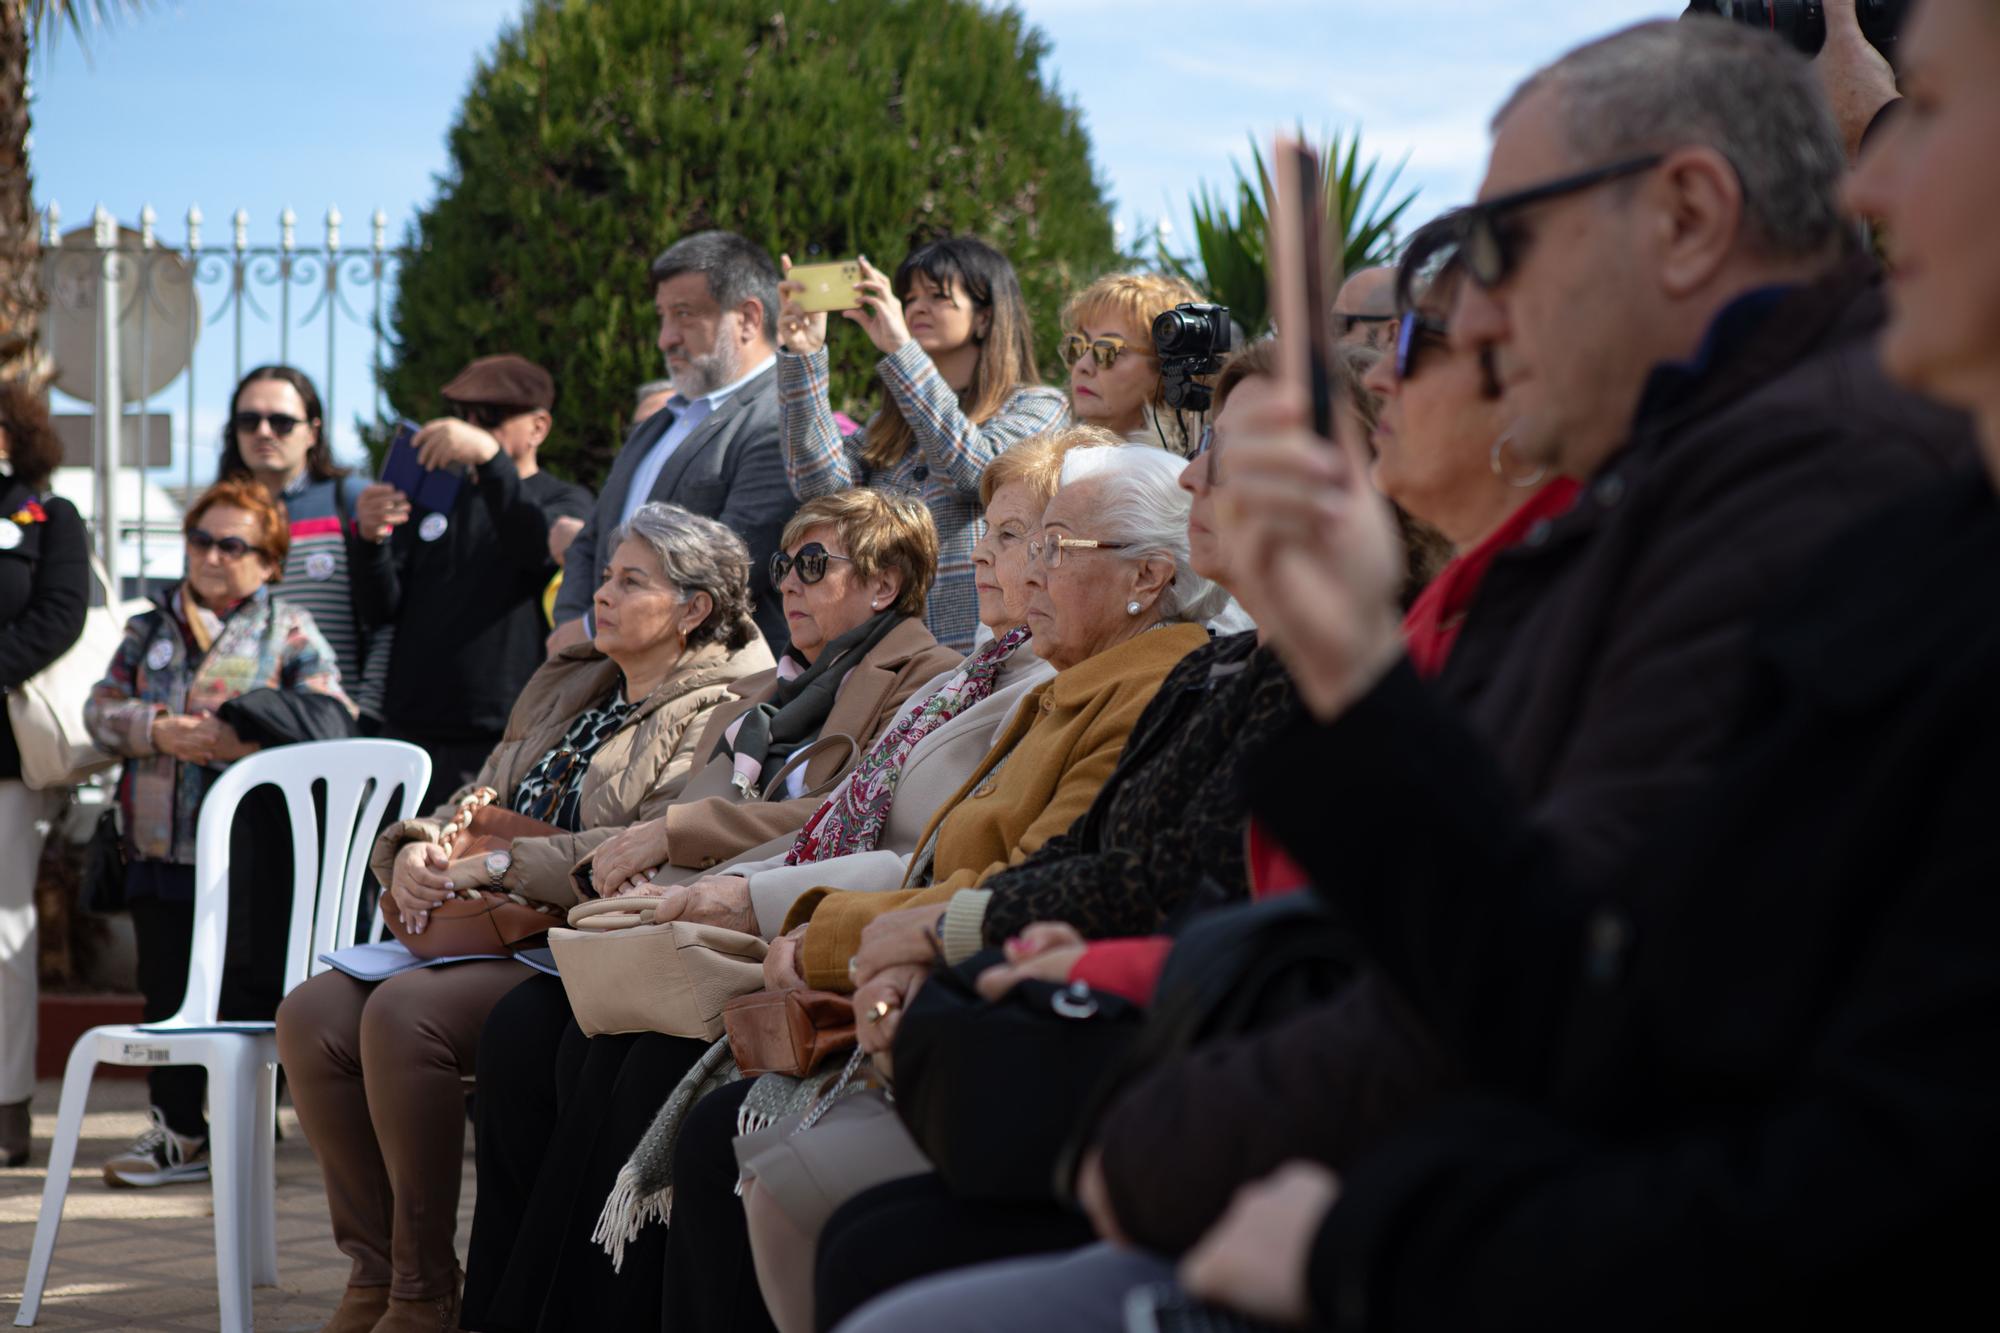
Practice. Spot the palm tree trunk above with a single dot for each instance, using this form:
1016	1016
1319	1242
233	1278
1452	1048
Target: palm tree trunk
21	296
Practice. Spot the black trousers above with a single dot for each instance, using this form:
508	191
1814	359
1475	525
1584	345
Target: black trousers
710	1279
915	1227
558	1115
253	980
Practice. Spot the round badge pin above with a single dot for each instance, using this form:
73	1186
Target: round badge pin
432	527
319	566
10	534
159	655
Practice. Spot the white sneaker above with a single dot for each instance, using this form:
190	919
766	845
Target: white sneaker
158	1157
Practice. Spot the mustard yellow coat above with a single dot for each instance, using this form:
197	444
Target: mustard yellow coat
1039	778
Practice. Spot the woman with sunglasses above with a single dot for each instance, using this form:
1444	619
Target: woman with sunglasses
274	436
959	386
1114	375
1441	446
221	668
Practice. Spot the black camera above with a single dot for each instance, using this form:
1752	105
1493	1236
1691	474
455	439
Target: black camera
1803	22
1191	339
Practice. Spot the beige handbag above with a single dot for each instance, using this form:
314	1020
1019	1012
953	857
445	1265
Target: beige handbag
626	972
47	708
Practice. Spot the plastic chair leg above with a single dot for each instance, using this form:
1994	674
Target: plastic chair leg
264	1180
232	1107
62	1158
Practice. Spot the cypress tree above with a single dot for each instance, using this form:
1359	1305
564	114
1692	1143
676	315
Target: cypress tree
600	131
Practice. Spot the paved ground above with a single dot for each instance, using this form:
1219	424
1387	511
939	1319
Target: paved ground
145	1259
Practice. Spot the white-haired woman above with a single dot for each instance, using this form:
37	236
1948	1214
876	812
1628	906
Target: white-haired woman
1115	604
604	735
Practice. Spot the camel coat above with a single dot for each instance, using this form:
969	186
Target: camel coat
1040	776
634	775
711	823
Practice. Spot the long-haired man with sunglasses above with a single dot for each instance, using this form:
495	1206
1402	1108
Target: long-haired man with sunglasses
460	588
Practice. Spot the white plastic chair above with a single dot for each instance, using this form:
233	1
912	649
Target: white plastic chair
356	779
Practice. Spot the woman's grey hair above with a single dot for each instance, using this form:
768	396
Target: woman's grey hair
1744	93
1142	503
698	555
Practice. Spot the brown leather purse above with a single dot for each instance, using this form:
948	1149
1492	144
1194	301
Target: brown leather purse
480	921
788	1031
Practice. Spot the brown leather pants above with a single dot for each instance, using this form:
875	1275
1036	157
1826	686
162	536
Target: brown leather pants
376	1073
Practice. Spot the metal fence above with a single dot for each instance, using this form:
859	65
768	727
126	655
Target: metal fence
143	309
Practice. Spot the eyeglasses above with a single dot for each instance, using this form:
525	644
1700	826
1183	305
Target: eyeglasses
1104	351
810	562
487	416
1049	550
201	542
1414	331
1491	247
282	423
1206	443
1348	322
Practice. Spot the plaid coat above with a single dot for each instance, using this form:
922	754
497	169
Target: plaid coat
951	451
265	643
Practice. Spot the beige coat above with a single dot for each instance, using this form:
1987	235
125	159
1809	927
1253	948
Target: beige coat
937	766
633	776
711	823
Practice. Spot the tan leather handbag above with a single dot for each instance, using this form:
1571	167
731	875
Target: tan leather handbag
479	921
626	972
790	1032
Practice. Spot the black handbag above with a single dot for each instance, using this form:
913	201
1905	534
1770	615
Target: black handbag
103	888
987	1088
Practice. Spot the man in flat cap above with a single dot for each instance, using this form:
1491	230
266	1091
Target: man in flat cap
459	580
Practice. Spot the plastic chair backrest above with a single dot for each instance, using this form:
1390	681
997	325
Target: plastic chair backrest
355	779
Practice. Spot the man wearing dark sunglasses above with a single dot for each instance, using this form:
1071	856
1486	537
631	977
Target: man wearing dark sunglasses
462	587
1364	311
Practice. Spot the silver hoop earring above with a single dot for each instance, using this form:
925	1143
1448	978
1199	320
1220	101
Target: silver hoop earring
1131	608
1534	478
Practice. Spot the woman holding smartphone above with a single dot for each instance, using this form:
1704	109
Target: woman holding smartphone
959	387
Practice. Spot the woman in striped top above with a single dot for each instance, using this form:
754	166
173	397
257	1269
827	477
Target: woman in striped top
274	436
959	387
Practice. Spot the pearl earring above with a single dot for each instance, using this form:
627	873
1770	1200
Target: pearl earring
1132	608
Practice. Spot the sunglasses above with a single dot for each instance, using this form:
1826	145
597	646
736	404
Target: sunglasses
201	542
487	416
810	562
1491	245
1104	351
1348	322
282	423
1414	332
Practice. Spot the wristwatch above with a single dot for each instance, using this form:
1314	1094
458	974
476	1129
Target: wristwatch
496	867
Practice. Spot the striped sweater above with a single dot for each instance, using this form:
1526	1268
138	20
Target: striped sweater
943	465
317	577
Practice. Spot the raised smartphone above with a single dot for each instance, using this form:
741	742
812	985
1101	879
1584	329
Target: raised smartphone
828	287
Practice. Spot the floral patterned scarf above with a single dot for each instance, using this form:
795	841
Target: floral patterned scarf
851	819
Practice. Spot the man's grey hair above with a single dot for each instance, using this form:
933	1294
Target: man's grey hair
698	555
1142	503
1742	92
649	388
737	271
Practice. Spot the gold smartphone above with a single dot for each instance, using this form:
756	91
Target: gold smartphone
828	287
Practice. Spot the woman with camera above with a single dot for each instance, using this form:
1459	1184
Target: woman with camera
604	735
1114	373
959	386
44	587
220	669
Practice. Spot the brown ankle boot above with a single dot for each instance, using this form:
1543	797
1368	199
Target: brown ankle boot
360	1309
439	1314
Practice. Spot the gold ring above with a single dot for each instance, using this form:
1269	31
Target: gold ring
881	1011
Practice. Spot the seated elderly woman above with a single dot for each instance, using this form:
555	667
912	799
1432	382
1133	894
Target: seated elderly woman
604	734
220	669
1114	374
1112	618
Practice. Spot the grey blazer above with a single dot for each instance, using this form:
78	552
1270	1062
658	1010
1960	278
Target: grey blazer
731	469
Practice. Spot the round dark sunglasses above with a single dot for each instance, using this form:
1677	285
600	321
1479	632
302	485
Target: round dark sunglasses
200	542
282	423
810	562
1414	332
488	416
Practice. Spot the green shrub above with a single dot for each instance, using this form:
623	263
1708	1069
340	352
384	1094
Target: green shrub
599	132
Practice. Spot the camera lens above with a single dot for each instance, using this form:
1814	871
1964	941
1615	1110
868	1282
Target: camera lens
1174	331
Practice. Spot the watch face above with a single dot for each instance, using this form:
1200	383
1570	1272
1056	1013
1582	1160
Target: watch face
497	863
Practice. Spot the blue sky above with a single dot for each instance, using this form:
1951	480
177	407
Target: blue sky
269	104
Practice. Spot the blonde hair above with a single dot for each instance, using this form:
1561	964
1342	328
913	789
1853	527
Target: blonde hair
880	531
1037	460
1134	301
